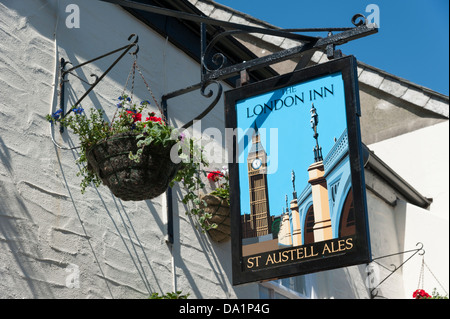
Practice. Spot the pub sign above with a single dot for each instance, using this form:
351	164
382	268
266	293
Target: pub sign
298	202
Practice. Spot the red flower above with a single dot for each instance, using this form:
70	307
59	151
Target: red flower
420	294
136	116
154	119
214	176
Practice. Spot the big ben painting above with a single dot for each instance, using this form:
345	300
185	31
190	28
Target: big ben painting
257	180
256	226
297	185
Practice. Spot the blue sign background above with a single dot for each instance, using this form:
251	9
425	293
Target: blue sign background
287	135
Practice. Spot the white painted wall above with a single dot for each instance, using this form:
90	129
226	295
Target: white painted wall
49	232
421	158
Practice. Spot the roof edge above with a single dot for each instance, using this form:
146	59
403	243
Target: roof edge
421	87
392	178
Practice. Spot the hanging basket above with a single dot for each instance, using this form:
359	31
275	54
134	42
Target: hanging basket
127	179
220	211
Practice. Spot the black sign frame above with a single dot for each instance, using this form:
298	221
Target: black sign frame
296	261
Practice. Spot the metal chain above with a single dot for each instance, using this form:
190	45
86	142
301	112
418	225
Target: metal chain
151	93
421	274
128	78
133	77
435	277
130	74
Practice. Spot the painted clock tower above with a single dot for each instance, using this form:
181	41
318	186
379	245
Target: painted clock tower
257	178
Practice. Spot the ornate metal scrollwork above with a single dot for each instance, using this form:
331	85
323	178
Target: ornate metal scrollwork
208	94
358	20
218	58
420	251
214	66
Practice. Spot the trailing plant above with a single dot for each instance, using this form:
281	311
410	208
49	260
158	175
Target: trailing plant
193	160
92	128
169	295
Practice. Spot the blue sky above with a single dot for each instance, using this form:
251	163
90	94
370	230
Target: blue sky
412	42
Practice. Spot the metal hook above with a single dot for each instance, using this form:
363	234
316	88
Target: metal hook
134	43
133	35
94	76
420	250
362	20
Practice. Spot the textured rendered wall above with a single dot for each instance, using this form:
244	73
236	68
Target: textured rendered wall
55	242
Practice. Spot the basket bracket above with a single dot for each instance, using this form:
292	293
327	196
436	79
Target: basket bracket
64	72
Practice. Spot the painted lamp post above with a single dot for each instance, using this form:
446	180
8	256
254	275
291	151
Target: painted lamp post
314	123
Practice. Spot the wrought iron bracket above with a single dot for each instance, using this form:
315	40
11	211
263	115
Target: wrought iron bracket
419	250
209	75
327	44
220	71
65	72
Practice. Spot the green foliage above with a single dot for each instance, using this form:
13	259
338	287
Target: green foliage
90	130
189	176
169	295
223	192
435	295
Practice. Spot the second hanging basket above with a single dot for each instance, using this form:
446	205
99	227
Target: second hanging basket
220	210
127	179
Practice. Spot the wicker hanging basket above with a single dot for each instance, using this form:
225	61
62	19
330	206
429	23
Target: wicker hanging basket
220	211
127	179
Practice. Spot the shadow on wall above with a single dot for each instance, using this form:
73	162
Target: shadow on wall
120	219
214	258
19	242
135	250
